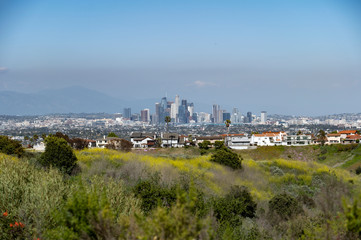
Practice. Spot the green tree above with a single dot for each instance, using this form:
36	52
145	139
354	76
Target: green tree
226	157
237	204
228	123
204	145
35	137
10	147
58	154
111	134
219	145
321	137
167	120
284	206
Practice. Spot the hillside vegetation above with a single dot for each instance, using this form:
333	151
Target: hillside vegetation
279	193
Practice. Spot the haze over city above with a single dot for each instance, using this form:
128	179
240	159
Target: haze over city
286	57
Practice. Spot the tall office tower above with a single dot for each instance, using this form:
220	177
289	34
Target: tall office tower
157	113
177	103
235	118
145	115
191	109
263	117
173	112
215	114
183	114
249	117
163	110
220	115
195	117
226	116
127	113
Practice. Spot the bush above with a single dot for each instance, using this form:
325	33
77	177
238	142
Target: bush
219	144
204	145
58	154
358	170
237	204
228	158
153	195
10	147
284	206
85	215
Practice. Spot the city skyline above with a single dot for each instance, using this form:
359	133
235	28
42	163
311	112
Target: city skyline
289	57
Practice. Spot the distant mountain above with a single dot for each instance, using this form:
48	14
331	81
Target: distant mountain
72	99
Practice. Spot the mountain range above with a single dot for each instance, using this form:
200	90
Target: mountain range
66	100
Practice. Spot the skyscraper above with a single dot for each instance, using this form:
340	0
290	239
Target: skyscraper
145	115
249	117
215	114
263	117
127	113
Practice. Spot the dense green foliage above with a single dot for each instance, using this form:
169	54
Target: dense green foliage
11	147
284	206
237	204
226	157
58	154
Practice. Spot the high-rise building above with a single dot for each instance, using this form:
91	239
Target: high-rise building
145	115
173	112
226	116
263	117
249	117
177	103
236	116
156	120
215	114
127	113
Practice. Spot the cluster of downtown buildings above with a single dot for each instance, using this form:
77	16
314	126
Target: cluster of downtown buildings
182	112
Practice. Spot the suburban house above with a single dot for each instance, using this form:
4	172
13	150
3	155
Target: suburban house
143	140
297	140
103	142
355	138
333	138
211	139
346	133
267	139
238	141
172	140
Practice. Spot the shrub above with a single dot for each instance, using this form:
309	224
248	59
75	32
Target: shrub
226	157
58	154
204	145
10	147
153	195
219	144
284	206
177	222
85	215
238	203
358	170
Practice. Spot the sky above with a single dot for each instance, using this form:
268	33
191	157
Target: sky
299	57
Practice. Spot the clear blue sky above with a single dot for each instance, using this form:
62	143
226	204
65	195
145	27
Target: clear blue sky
288	57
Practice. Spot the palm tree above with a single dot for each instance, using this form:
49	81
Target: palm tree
167	119
322	137
228	123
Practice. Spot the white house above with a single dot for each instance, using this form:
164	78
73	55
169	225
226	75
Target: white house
172	140
333	138
238	141
143	140
268	139
297	140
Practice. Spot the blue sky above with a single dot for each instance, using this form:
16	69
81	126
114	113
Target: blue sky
287	57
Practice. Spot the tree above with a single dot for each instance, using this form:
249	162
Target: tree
43	136
321	137
119	144
237	204
58	154
219	145
228	123
63	136
299	132
10	147
284	206
226	157
204	145
79	143
35	137
111	134
167	120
